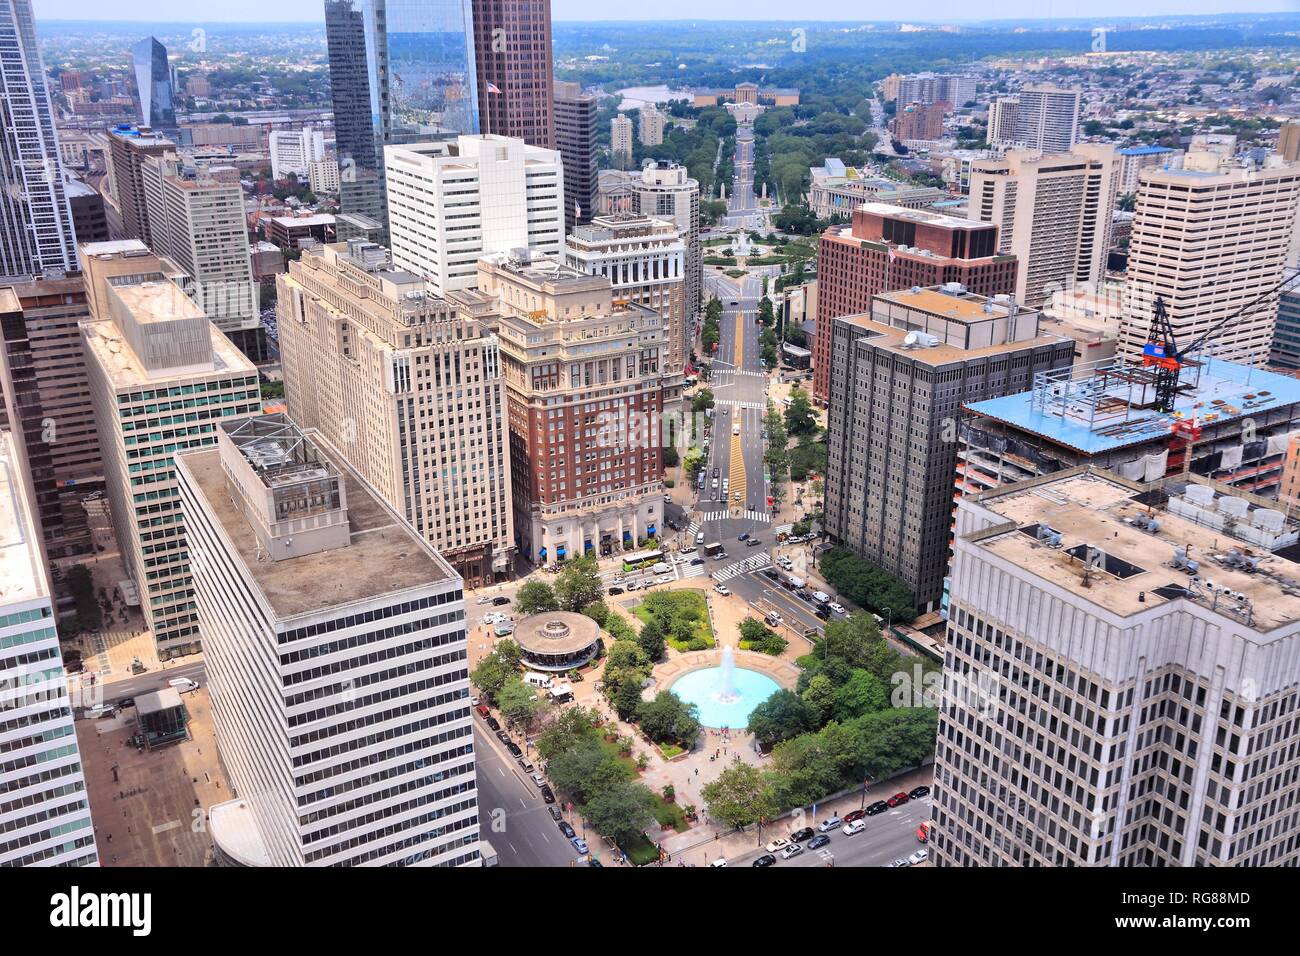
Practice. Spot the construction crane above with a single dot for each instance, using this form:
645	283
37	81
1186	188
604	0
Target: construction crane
1163	353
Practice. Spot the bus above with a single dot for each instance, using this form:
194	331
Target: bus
643	559
711	550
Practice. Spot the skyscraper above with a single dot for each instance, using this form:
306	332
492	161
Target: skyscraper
129	147
401	71
665	190
153	83
620	140
35	220
1038	117
512	50
575	138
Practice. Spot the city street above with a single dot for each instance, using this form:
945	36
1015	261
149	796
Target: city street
742	208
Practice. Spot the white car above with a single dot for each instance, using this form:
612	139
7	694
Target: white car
826	826
837	607
857	826
920	856
539	780
794	849
900	862
779	843
718	862
722	589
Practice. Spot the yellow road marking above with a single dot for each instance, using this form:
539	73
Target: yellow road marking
740	341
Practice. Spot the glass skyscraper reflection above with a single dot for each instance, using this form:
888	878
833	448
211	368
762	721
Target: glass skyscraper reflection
153	81
401	71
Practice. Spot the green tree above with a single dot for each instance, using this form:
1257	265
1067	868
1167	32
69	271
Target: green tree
598	611
578	584
622	811
667	718
780	717
586	769
799	416
627	698
741	796
651	639
491	675
862	693
536	597
820	698
518	701
571	727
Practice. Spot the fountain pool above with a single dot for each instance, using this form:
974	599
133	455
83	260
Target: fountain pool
725	695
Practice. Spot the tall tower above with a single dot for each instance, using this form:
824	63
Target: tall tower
153	83
35	221
512	50
575	138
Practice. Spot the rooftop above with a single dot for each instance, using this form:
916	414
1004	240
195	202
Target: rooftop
22	577
385	555
107	346
1132	568
556	632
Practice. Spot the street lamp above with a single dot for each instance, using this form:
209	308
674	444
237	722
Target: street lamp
889	620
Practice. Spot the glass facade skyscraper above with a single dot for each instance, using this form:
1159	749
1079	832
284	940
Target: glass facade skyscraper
153	81
401	71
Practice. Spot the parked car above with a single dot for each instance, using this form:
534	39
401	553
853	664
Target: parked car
593	862
722	589
837	607
920	856
880	806
799	836
898	799
830	824
483	711
556	814
579	844
514	749
900	862
615	591
854	815
917	793
718	862
767	859
492	722
857	826
485	599
503	736
777	844
539	780
567	830
500	600
822	612
819	841
548	794
794	849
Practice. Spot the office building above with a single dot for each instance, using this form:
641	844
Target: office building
1137	158
452	202
1288	141
161	377
899	377
409	391
651	123
196	219
45	812
129	147
153	84
1285	351
296	151
89	217
1119	682
290	232
35	221
401	71
364	758
584	387
46	393
887	248
1044	118
918	121
512	52
1054	211
1209	241
928	88
620	139
575	138
323	176
665	190
645	261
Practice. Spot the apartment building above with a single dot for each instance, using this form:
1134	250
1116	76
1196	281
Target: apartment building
899	376
323	176
1137	158
1119	679
512	56
1054	212
129	147
335	645
651	123
452	202
664	190
887	248
918	121
44	809
645	261
584	386
620	139
162	377
1209	240
295	150
575	138
929	88
409	391
1044	118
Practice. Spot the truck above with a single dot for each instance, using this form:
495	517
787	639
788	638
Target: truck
487	852
821	597
661	567
792	581
714	549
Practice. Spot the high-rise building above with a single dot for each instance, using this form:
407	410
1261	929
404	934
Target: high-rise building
89	217
620	139
1285	350
899	376
665	190
584	386
45	814
161	377
512	52
575	138
1042	118
129	147
46	391
35	221
929	88
1288	141
451	202
323	176
401	71
153	84
1055	214
886	248
651	123
335	646
295	150
1119	687
1209	241
196	219
410	393
917	121
1137	158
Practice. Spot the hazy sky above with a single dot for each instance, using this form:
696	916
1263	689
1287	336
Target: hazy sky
200	11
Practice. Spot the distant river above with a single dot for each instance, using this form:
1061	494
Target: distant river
634	97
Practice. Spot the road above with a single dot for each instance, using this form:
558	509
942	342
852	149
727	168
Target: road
742	209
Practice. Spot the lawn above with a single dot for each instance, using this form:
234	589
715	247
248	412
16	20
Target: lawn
640	851
628	763
670	814
683	604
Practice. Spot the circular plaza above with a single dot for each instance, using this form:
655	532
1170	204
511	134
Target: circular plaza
557	640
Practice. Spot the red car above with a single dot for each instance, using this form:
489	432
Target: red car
855	815
898	799
482	710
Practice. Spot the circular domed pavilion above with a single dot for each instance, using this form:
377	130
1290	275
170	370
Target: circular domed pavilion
557	640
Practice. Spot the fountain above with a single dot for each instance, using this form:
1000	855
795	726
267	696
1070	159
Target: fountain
741	246
727	684
725	694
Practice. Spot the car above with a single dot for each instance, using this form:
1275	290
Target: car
500	600
900	862
794	849
920	856
830	824
819	841
767	859
567	830
503	736
800	835
769	573
539	780
485	599
880	806
615	591
183	685
689	549
514	749
548	794
526	765
854	815
633	585
695	561
753	542
743	536
579	844
722	589
126	702
492	722
916	793
593	862
857	826
718	862
556	814
823	613
837	607
898	799
715	472
103	710
777	844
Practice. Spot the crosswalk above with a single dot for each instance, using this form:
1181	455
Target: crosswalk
692	530
756	563
691	570
717	372
749	514
759	406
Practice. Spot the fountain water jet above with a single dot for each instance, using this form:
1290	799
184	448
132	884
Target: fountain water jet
727	682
